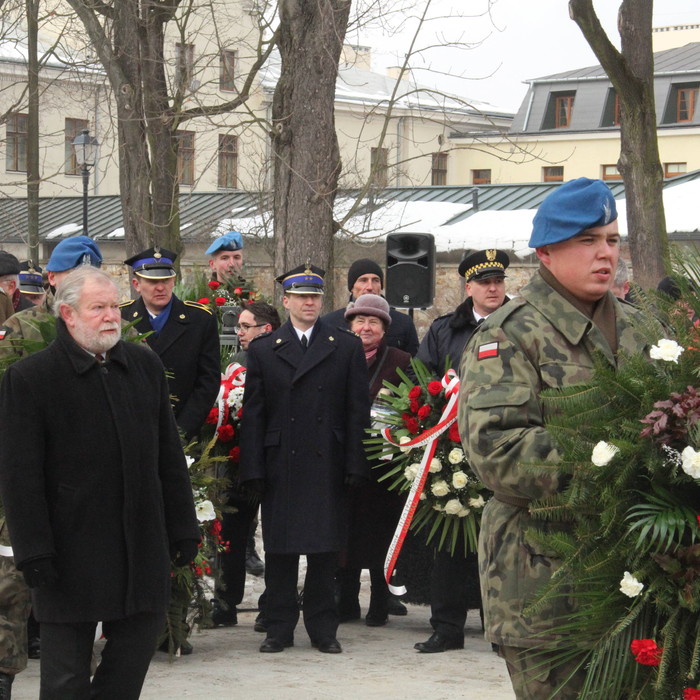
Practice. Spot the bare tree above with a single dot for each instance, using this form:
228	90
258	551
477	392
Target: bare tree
631	72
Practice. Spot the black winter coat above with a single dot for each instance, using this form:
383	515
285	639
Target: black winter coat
188	347
304	420
92	473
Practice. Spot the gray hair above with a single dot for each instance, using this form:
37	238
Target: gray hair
72	286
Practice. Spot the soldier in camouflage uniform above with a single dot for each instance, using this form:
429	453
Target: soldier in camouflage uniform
14	593
546	338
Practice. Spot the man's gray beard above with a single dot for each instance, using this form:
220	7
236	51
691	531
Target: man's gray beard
93	342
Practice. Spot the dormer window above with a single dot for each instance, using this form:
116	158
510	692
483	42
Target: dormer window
681	104
559	110
611	113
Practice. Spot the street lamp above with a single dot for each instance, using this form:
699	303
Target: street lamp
85	147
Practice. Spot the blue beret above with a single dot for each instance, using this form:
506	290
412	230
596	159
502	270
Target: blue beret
229	241
71	252
573	207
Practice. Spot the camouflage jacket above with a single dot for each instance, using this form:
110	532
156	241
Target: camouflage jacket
24	326
535	342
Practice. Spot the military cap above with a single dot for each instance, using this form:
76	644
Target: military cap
305	279
72	252
153	263
229	241
30	279
9	265
480	264
573	207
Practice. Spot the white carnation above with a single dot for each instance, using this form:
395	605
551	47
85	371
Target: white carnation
440	488
411	471
477	502
453	506
438	507
459	480
205	511
691	462
456	456
603	452
422	496
630	586
402	441
435	465
463	512
668	350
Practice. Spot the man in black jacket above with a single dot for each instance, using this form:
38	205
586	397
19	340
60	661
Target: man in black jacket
184	334
96	492
454	577
366	277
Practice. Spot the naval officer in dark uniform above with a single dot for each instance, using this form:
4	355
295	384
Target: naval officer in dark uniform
305	411
185	337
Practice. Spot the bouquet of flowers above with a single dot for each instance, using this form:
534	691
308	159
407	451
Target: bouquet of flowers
630	442
415	429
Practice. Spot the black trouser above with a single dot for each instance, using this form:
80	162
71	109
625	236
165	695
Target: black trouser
450	580
66	653
282	607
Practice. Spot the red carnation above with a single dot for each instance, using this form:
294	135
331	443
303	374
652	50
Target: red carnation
698	519
213	417
214	284
215	527
646	652
415	392
424	412
238	290
235	454
220	301
405	417
225	433
691	694
434	387
239	415
413	406
204	301
453	433
412	425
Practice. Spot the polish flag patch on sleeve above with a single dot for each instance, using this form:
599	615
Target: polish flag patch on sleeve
487	350
3	333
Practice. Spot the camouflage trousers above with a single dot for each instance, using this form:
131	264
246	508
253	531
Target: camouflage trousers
15	604
535	675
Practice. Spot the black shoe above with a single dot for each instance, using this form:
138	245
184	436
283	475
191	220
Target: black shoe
223	617
376	620
6	686
34	648
328	646
260	623
396	607
254	564
438	643
274	646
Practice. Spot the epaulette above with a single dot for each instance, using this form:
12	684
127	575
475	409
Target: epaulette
197	305
347	330
126	303
260	335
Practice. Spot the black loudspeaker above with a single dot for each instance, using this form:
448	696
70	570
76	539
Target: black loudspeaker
410	269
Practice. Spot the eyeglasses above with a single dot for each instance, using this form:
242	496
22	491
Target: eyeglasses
245	327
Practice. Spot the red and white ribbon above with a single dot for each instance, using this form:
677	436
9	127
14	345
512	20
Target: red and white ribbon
234	376
429	438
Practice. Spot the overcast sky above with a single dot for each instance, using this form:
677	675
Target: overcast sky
522	39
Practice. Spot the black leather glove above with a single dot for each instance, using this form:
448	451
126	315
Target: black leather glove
183	551
40	572
255	487
354	481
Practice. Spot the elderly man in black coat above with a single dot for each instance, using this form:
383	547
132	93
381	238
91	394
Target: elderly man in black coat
96	492
305	411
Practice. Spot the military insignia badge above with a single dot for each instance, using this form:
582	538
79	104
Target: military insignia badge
331	338
487	350
491	255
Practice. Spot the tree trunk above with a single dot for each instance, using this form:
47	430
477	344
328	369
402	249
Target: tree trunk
33	170
305	146
632	75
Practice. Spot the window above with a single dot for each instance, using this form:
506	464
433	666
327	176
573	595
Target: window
227	70
438	174
228	161
481	177
610	172
73	128
16	147
559	110
184	63
681	104
379	163
185	157
611	113
675	169
687	97
553	173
